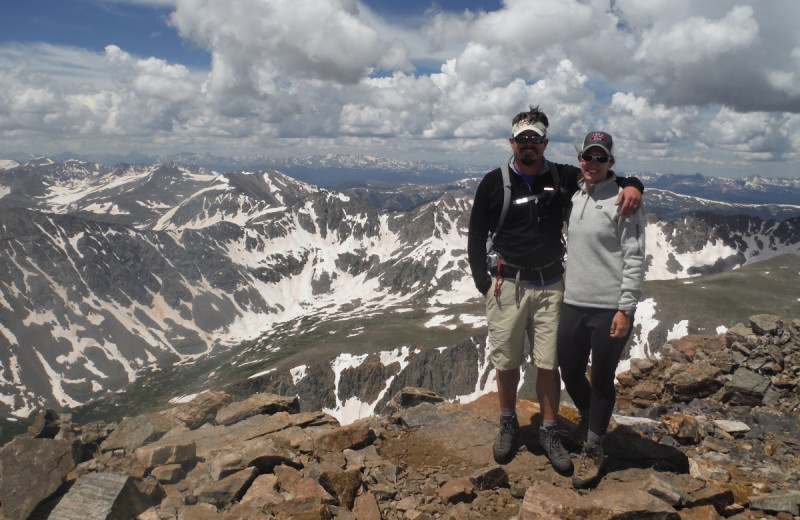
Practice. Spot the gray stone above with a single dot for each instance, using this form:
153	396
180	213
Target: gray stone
305	509
353	436
409	397
168	473
630	502
666	491
731	426
696	380
200	410
200	512
489	478
745	388
779	501
545	501
366	507
718	495
763	324
707	470
213	438
134	432
641	366
160	453
96	432
343	485
740	333
223	492
45	424
101	496
263	453
457	490
32	470
263	492
309	488
257	404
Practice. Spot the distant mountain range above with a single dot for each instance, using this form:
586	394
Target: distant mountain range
327	171
339	170
110	273
401	185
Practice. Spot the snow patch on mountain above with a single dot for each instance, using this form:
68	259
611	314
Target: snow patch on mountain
679	330
7	164
353	408
665	257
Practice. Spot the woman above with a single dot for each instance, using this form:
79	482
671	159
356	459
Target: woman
605	269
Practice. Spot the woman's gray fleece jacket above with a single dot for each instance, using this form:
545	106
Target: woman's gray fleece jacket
605	252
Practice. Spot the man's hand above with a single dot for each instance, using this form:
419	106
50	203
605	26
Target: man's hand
630	200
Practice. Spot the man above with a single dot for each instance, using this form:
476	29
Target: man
523	285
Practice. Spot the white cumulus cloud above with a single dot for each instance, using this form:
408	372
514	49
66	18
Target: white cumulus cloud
683	85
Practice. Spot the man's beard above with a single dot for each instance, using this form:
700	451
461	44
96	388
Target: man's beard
528	159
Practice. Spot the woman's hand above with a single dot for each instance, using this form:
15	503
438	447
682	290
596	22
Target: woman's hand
620	325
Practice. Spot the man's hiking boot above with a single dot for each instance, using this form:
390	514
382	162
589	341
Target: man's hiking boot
577	435
549	439
590	466
503	448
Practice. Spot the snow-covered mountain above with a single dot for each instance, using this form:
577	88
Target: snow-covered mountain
109	271
748	190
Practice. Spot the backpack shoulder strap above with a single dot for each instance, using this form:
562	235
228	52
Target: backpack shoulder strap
556	178
562	189
506	204
506	196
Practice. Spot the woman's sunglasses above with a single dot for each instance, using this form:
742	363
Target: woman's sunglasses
602	159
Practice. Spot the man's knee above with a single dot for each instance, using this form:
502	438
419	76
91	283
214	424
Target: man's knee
508	376
545	374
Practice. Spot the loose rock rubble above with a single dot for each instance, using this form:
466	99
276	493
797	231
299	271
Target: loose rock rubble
710	430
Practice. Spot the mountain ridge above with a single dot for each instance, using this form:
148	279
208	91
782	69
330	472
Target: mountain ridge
402	185
109	272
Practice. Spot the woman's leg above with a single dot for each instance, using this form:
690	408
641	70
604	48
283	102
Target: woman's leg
574	345
606	352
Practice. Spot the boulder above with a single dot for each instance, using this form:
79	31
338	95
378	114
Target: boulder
102	496
31	471
257	404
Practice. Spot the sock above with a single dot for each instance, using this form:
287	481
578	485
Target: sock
507	412
594	438
549	424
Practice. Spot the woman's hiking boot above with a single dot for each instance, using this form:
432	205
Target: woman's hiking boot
550	441
504	444
590	466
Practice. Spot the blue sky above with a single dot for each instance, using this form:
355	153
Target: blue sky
684	86
142	30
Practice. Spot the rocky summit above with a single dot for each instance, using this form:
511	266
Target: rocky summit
709	430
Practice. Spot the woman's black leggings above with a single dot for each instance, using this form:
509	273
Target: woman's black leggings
583	331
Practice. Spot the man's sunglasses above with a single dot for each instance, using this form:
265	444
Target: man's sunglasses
602	159
535	139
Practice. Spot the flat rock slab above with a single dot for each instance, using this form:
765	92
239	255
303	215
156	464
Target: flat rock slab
101	496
